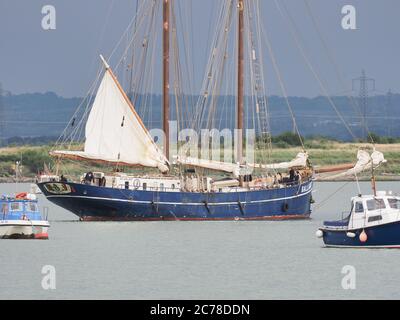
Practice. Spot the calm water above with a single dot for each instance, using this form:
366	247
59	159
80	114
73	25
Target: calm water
197	260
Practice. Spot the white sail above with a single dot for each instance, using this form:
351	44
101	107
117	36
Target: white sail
236	169
208	164
115	132
365	161
377	158
299	161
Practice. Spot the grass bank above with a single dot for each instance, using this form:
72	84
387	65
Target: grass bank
322	152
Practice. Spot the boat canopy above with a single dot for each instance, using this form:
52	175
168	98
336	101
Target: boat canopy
114	131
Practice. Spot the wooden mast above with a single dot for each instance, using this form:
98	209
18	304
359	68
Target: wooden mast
240	80
373	181
166	25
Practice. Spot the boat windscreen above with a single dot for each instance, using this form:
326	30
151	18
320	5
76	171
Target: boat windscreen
394	203
375	204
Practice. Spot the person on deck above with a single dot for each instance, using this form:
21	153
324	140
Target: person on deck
291	175
89	177
280	178
297	177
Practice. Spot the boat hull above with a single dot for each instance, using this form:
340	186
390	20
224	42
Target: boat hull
23	229
93	203
380	236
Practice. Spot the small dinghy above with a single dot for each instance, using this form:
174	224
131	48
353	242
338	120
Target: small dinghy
21	218
373	222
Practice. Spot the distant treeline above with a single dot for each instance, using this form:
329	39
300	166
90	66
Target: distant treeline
284	140
28	141
47	115
290	139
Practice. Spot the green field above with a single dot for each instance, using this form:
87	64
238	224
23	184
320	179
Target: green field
322	152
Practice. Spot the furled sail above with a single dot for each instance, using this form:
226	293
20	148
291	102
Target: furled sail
114	131
208	164
236	169
301	160
365	161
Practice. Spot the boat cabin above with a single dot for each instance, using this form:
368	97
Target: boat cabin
370	210
19	209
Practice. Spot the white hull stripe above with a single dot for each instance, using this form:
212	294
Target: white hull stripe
182	203
4	223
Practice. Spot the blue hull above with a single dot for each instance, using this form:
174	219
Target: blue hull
93	203
385	236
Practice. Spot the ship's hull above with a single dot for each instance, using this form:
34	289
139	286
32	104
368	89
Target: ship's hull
380	236
24	229
93	203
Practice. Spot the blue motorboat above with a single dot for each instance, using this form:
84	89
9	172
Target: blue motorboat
21	218
373	222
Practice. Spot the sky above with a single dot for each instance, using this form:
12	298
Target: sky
65	60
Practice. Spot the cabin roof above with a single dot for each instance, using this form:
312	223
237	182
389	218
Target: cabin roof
379	194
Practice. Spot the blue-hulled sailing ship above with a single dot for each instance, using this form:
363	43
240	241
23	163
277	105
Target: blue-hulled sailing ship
184	187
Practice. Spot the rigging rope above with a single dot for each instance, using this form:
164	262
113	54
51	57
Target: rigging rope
335	66
281	84
292	29
326	199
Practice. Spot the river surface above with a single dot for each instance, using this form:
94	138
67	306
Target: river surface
198	260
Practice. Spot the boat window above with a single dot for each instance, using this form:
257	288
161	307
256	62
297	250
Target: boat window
173	186
31	207
16	206
126	184
359	207
394	203
375	204
144	186
4	208
375	218
161	186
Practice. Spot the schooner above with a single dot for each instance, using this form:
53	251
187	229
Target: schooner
185	186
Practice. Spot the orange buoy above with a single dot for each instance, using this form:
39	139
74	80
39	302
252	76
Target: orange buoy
363	236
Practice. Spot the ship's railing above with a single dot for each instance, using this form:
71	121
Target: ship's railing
231	189
160	189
